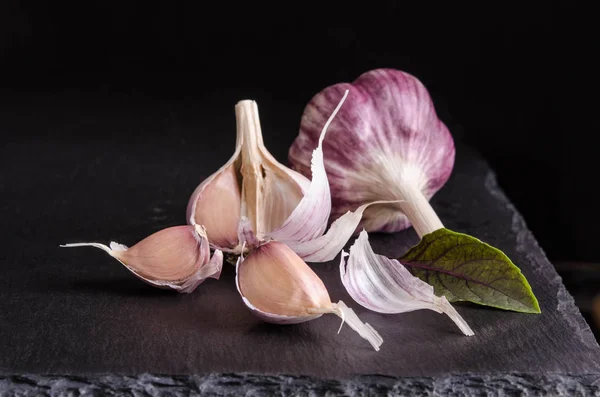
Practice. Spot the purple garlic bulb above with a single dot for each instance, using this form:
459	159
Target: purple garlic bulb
386	143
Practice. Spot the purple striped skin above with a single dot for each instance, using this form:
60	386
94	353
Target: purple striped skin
387	134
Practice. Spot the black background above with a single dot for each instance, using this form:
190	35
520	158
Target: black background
518	81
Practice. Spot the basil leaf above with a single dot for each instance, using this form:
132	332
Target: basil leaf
463	268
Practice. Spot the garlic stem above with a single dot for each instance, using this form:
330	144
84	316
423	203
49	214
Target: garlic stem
418	210
248	128
445	306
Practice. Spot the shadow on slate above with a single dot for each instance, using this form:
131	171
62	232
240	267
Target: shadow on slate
75	320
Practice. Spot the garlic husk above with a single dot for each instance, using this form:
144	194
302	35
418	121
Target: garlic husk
384	285
327	246
251	184
176	258
386	144
279	287
303	230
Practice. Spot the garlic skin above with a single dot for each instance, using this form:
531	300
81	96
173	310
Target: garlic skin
175	258
304	230
279	287
384	285
251	184
387	143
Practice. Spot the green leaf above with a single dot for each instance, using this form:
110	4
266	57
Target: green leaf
464	268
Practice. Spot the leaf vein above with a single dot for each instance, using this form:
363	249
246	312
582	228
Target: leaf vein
475	260
465	278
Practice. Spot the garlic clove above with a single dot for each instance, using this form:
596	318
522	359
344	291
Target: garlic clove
386	286
265	281
279	287
251	184
386	143
177	257
216	204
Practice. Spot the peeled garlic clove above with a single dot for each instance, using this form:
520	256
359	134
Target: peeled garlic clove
385	286
279	287
177	258
386	143
251	184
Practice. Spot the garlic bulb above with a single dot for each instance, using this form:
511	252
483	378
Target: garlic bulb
177	257
386	143
279	203
385	286
251	184
279	287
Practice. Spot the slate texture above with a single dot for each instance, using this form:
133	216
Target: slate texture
75	322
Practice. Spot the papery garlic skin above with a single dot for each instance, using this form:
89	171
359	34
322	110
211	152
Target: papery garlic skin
177	258
280	288
304	230
251	184
386	143
384	285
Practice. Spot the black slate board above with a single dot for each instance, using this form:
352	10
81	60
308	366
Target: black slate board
75	321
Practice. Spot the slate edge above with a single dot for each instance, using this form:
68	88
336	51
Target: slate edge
281	385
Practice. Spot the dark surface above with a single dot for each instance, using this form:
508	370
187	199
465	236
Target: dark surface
78	312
